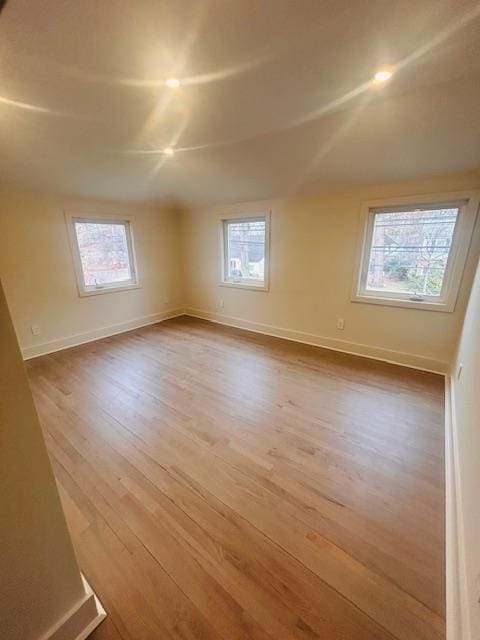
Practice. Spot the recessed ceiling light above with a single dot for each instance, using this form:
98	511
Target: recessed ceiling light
168	151
382	76
173	83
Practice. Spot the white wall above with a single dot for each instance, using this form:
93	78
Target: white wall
39	577
313	247
37	271
466	405
313	250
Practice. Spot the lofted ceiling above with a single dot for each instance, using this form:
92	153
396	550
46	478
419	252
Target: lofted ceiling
275	98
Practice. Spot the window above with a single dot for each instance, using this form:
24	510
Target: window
103	255
245	251
414	253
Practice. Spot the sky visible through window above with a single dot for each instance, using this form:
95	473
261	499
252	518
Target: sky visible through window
246	250
103	251
410	250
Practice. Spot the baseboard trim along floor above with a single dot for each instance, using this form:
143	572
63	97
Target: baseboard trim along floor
51	346
81	620
366	351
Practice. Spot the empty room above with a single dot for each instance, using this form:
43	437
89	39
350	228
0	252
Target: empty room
239	320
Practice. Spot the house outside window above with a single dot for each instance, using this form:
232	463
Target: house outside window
245	251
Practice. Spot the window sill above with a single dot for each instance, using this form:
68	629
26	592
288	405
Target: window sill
423	305
244	285
108	289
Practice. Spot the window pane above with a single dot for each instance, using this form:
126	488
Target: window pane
246	250
104	253
410	250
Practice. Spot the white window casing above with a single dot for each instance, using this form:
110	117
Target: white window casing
107	284
227	259
466	203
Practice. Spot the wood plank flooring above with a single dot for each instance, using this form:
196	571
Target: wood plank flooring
223	484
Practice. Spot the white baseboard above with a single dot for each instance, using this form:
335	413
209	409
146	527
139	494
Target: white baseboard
458	618
104	332
80	621
375	353
353	348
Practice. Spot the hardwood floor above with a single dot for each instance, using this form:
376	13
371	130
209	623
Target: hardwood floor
223	484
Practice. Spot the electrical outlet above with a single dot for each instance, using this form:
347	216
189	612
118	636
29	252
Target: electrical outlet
341	324
221	303
35	329
166	299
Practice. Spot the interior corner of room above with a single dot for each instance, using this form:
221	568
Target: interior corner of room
240	321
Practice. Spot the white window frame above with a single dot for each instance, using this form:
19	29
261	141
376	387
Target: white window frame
467	203
86	290
223	242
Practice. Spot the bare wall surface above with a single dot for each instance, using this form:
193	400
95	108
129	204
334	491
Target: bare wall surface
313	254
38	276
466	403
40	580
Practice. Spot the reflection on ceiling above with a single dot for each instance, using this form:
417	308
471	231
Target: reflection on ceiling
227	101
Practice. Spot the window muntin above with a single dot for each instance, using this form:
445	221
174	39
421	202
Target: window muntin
103	254
410	250
245	256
